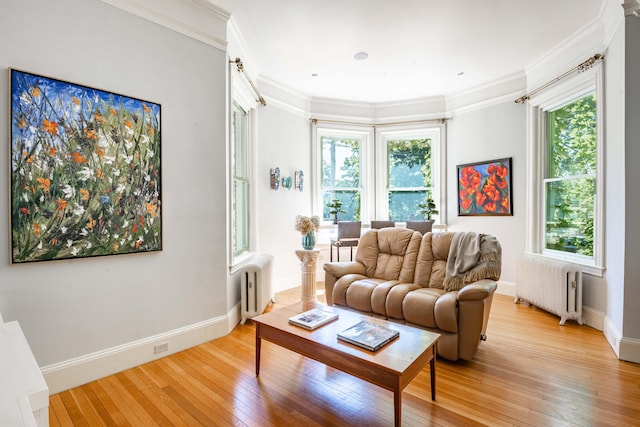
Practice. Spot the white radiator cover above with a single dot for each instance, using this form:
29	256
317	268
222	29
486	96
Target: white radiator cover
255	286
550	284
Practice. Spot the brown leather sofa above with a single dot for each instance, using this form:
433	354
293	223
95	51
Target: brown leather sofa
399	274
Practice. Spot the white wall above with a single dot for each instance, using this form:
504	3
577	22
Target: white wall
492	132
631	328
613	297
73	308
284	142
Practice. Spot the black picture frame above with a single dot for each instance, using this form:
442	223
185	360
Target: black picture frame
85	171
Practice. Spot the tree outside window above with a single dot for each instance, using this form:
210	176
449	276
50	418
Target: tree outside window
341	171
409	177
570	180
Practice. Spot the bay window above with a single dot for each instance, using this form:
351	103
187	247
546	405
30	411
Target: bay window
379	173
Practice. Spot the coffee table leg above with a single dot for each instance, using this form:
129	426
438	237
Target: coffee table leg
432	368
397	406
258	343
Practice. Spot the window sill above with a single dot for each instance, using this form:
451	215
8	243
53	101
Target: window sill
241	260
587	268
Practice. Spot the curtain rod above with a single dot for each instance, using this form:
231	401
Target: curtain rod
240	67
442	120
584	66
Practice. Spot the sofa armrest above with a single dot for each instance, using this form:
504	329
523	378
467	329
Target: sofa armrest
477	290
335	270
339	269
474	306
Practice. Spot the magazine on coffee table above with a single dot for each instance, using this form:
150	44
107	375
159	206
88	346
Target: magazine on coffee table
313	318
368	335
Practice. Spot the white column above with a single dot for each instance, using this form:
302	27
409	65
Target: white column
308	260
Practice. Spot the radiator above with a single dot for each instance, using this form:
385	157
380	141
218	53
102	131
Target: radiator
255	286
552	285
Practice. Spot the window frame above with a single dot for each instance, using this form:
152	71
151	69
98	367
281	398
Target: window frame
382	164
374	173
245	178
346	132
551	99
240	93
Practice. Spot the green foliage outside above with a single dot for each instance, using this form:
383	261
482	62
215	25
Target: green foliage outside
341	178
570	183
409	177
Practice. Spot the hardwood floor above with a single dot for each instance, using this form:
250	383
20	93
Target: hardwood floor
530	372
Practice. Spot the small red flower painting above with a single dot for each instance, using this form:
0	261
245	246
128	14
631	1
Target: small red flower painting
484	188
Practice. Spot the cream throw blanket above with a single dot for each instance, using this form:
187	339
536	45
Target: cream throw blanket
472	256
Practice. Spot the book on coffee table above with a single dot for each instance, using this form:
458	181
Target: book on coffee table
368	335
314	318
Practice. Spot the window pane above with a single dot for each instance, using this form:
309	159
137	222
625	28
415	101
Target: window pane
239	139
340	162
403	205
240	217
240	171
350	205
572	132
571	166
569	216
409	163
409	177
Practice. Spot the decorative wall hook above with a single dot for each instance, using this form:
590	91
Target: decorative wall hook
275	178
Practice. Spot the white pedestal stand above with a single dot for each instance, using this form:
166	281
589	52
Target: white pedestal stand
308	260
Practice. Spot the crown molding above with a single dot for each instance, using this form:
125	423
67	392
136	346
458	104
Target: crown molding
485	95
237	47
198	19
582	43
285	106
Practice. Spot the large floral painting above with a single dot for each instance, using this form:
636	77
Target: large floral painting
484	188
85	171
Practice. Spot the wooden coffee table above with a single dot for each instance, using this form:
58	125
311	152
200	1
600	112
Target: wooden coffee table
392	367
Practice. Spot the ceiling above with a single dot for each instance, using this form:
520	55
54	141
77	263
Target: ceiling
416	48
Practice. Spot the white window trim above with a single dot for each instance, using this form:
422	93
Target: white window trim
374	176
240	93
552	98
349	132
383	135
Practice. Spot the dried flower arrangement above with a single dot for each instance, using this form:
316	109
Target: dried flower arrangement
305	224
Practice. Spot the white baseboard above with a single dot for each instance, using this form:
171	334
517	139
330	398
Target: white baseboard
590	317
612	335
629	350
625	348
90	367
593	318
506	288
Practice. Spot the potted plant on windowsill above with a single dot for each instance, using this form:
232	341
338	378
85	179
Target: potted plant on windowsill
335	207
427	209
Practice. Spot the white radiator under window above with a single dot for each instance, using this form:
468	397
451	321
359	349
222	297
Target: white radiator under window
550	284
255	286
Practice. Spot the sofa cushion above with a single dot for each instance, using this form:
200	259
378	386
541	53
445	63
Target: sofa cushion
395	297
339	293
389	253
369	295
431	262
431	308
